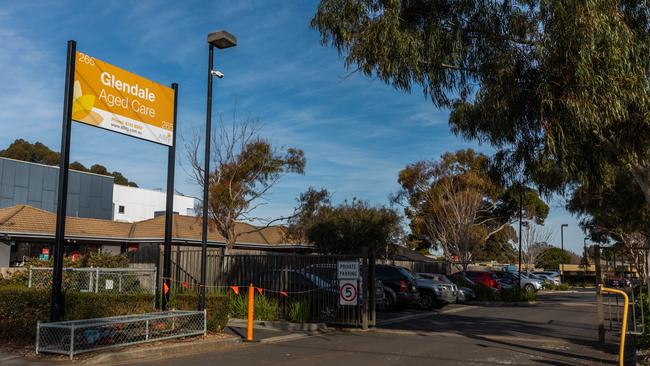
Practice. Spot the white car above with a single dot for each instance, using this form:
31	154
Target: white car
552	277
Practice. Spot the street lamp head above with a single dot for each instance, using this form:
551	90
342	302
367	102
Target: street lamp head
564	225
222	39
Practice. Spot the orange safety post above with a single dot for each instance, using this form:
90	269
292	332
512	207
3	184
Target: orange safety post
251	301
626	300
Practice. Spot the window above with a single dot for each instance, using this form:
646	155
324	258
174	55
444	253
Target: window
120	209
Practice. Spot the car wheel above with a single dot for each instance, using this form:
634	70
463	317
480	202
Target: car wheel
529	288
389	304
428	301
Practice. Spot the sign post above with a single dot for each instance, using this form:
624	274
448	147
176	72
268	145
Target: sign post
56	300
102	95
169	207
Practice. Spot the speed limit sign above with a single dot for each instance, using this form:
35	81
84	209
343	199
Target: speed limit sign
348	292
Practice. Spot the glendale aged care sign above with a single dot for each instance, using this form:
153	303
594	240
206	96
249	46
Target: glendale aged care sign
109	97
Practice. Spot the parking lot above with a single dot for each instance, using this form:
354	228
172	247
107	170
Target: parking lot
559	330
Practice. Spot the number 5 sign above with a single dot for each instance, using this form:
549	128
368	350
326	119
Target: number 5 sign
348	292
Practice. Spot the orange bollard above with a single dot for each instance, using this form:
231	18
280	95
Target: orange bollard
251	303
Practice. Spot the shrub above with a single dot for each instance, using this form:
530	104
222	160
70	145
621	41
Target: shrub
18	278
87	305
560	287
512	295
299	311
216	306
484	293
21	308
264	308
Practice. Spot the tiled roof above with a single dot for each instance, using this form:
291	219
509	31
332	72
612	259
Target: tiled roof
23	220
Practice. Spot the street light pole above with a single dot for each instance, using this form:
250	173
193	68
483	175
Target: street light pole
220	40
562	247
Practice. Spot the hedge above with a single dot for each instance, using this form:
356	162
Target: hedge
216	308
21	308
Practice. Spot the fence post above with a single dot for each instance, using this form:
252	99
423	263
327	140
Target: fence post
146	330
120	283
30	277
38	333
205	322
366	298
97	281
71	341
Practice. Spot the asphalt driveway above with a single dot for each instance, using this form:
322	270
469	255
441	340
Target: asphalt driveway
560	330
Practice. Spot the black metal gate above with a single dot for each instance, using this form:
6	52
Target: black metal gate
298	285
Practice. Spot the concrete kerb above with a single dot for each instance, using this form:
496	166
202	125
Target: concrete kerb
504	304
164	349
280	326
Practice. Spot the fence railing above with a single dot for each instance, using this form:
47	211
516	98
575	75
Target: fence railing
308	282
104	280
79	336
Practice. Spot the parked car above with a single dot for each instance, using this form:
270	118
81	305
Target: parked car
401	283
617	282
488	279
462	293
552	276
528	284
435	293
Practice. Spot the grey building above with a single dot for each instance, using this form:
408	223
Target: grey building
22	183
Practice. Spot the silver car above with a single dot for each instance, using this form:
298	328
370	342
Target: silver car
445	292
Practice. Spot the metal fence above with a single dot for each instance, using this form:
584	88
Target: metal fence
79	336
104	280
288	281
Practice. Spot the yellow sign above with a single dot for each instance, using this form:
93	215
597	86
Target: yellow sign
109	97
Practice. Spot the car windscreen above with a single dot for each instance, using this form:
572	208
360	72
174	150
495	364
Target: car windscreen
406	273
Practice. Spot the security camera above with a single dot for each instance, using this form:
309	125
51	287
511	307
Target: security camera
217	73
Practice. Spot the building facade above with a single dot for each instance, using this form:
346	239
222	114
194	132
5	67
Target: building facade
132	204
23	183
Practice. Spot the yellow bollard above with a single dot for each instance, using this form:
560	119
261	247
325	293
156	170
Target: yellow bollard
251	303
621	356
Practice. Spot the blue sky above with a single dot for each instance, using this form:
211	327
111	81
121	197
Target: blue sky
357	133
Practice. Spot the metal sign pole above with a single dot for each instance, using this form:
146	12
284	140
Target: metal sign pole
206	180
56	303
169	208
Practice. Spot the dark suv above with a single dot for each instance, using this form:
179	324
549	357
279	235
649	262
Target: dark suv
402	287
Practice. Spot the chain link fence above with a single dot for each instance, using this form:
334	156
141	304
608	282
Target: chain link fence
80	336
104	280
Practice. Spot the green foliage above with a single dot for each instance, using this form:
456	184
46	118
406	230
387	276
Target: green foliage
560	287
350	226
87	305
17	278
216	306
41	154
246	167
299	311
457	203
484	293
21	308
512	295
551	258
558	87
264	308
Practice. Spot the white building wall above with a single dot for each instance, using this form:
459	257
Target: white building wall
141	204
